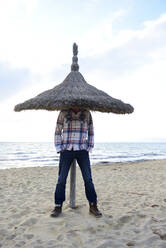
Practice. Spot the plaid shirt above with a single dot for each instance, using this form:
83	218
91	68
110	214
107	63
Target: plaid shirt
73	131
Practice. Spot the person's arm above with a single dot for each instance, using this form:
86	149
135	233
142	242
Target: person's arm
58	132
90	133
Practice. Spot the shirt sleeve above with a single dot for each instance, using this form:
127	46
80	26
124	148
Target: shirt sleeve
58	132
90	133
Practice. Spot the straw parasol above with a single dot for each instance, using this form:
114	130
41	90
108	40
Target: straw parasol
75	91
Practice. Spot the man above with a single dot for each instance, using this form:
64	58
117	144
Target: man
74	139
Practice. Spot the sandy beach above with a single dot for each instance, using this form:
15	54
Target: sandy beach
131	196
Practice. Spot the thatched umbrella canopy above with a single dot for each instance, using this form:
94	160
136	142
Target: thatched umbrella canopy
75	91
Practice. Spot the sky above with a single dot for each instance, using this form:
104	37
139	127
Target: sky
122	51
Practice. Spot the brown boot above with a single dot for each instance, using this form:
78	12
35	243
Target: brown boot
57	211
94	210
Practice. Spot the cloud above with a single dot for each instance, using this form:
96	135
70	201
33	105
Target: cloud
36	54
37	36
12	80
129	50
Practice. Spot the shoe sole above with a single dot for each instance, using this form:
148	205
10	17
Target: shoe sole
97	216
55	216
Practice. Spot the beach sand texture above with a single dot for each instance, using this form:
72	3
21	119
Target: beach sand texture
131	196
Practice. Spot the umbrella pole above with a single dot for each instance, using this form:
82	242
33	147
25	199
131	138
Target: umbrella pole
72	202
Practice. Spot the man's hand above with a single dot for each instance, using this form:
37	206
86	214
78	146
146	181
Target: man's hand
61	151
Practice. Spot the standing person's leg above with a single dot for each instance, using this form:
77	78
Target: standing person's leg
84	163
82	157
66	158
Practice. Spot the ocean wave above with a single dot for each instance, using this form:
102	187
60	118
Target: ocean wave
15	155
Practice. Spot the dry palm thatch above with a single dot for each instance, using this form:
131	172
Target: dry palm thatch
75	91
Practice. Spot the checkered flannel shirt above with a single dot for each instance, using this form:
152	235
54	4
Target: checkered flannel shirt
74	133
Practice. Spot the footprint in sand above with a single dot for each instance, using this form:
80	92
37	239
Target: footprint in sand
29	222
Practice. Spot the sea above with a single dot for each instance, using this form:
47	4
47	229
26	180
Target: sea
33	154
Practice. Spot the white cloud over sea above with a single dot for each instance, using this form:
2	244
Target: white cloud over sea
125	61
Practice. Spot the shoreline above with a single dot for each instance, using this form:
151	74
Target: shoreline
131	196
92	164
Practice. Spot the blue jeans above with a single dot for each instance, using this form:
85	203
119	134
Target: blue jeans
66	159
